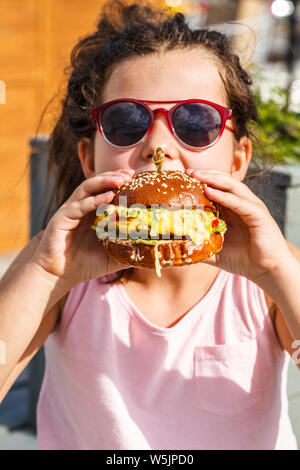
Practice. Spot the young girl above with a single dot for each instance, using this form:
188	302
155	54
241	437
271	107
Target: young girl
196	359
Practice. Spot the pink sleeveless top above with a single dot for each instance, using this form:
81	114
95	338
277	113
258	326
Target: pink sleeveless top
215	380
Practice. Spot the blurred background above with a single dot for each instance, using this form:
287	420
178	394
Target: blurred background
36	37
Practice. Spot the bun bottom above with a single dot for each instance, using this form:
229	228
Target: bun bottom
169	252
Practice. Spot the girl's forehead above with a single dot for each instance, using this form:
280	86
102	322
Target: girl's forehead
167	76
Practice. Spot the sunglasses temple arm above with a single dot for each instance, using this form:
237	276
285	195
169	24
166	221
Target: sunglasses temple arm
230	129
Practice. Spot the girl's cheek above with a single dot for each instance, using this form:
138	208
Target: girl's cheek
213	159
110	161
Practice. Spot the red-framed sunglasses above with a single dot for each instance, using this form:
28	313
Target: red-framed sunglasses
195	123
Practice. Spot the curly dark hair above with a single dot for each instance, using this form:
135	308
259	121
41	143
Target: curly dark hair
127	30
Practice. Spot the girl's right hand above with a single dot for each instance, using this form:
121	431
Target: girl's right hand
69	248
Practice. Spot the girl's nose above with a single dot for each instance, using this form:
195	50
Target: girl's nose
161	136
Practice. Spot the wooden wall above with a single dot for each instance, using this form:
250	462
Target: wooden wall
36	37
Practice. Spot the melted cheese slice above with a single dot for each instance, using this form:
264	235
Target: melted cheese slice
150	224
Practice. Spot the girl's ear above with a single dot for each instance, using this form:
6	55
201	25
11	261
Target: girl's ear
241	158
85	150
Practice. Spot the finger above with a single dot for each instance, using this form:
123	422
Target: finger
225	182
98	184
76	210
248	210
130	171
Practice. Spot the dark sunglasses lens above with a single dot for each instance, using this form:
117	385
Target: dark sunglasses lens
125	123
197	124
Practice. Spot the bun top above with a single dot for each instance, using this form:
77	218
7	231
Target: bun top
170	187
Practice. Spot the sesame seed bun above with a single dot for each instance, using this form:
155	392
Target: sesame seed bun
176	190
171	187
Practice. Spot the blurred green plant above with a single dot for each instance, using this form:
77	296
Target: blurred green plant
277	132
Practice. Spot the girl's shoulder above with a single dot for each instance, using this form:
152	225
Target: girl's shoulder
282	331
285	339
76	294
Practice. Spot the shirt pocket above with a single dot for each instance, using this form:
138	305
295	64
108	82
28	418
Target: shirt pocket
228	377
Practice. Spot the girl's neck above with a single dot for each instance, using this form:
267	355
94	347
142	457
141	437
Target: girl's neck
165	301
174	278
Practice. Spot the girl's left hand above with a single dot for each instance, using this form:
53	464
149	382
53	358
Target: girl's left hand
253	244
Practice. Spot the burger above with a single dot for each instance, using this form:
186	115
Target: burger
160	219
